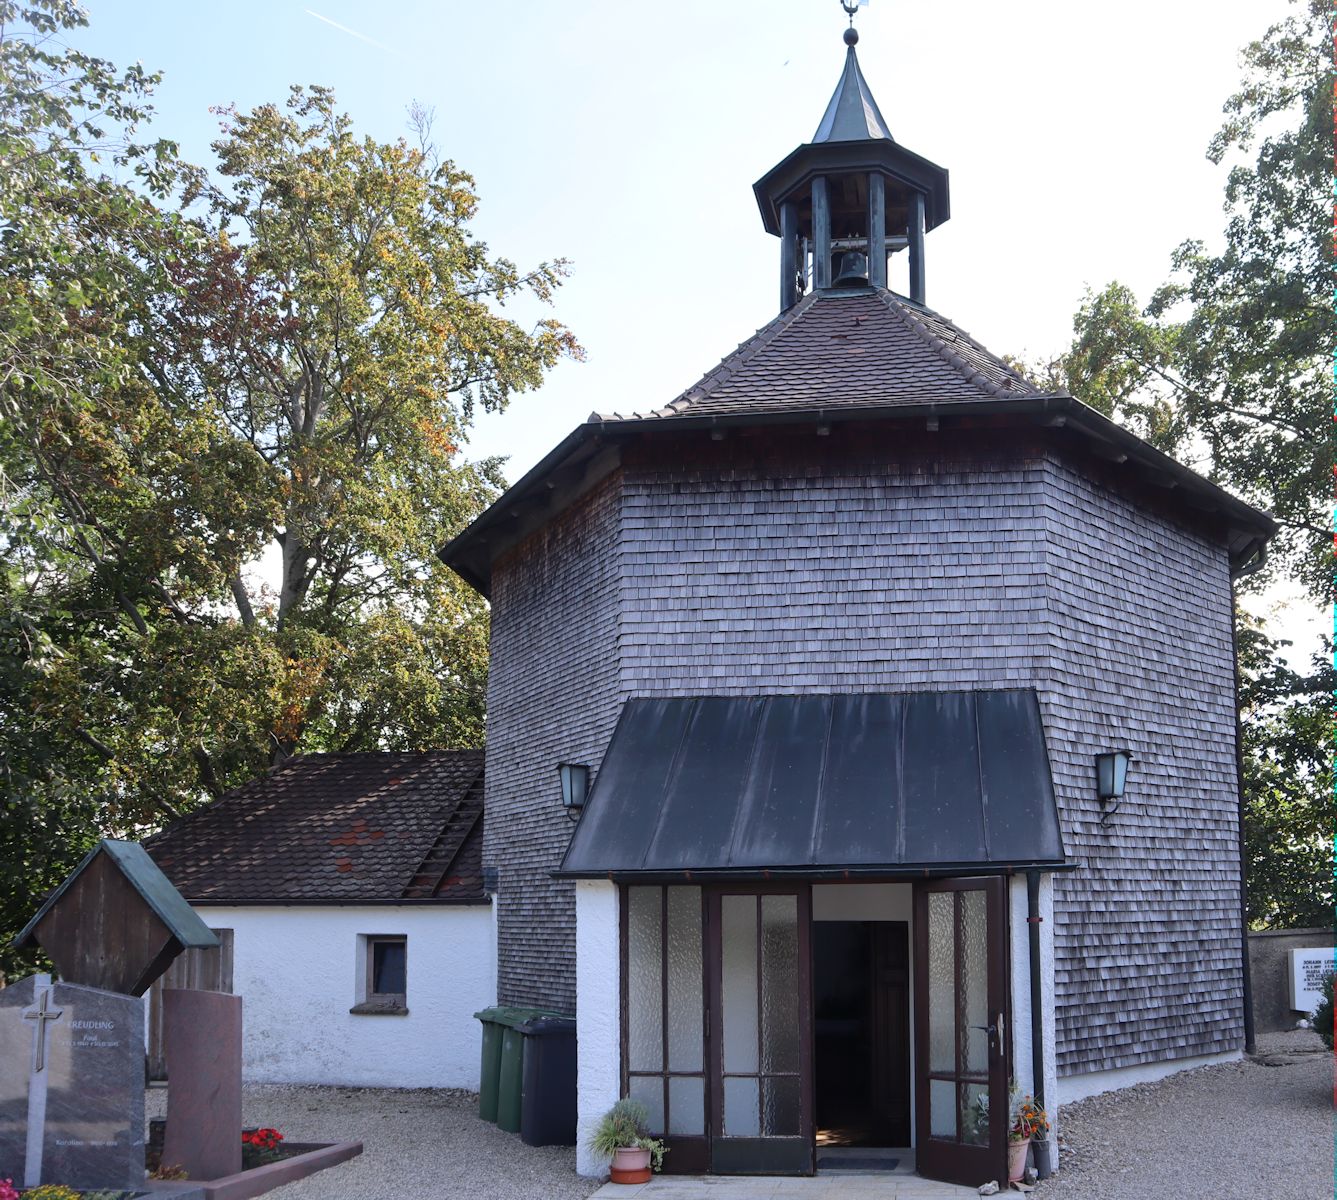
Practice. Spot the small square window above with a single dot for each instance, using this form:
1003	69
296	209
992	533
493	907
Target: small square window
383	975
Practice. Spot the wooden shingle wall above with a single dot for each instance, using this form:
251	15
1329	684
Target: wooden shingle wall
714	573
552	697
850	576
1147	932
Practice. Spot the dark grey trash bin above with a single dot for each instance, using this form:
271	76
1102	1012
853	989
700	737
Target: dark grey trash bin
548	1093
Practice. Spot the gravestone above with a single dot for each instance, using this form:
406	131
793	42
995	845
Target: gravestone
71	1085
72	1052
202	1031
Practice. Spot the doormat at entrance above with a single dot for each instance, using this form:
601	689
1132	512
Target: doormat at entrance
829	1163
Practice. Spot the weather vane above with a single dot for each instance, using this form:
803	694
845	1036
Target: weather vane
852	7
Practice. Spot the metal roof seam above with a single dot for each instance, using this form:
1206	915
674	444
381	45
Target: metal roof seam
819	799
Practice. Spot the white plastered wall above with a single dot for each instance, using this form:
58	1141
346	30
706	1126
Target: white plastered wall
872	902
1020	970
1072	1088
299	969
598	1005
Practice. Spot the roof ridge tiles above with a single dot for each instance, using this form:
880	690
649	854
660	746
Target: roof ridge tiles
969	371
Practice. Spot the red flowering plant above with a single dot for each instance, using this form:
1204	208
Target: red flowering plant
7	1190
260	1146
1029	1120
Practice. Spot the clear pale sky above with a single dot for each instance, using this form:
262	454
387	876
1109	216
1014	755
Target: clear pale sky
626	137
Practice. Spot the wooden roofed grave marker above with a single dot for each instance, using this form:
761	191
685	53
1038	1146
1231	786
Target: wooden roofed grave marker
72	1049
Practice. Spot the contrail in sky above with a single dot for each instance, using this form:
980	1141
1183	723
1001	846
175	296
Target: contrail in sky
352	32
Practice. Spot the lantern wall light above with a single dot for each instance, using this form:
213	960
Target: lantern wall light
1111	777
575	785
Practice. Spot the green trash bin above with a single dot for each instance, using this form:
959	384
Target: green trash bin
502	1076
490	1075
511	1078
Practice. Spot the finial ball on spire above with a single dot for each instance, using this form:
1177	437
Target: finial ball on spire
851	36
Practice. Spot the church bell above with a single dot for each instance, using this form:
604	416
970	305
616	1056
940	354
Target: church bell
853	270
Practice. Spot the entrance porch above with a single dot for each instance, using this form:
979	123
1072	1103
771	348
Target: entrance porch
803	948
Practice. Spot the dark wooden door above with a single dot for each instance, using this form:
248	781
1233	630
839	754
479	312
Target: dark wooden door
759	991
890	954
961	1033
208	970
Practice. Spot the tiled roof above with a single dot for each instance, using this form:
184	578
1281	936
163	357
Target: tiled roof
337	827
866	347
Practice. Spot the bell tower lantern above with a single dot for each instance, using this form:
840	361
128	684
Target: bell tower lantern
843	202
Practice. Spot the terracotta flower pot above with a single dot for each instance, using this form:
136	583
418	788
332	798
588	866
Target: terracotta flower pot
631	1164
1016	1160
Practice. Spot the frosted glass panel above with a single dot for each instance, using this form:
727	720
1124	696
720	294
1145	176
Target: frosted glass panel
779	1107
738	936
684	980
973	1003
779	984
941	985
740	1108
687	1105
645	997
975	1114
649	1090
942	1109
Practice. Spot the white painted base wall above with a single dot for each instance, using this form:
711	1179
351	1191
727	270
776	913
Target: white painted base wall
1020	970
598	1004
298	971
1072	1088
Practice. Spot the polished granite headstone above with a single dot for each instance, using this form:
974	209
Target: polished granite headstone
71	1085
202	1032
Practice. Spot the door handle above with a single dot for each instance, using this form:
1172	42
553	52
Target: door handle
995	1032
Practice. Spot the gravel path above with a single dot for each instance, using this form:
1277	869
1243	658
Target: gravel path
1244	1131
421	1144
1260	1129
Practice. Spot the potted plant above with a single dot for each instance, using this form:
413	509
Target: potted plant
623	1137
1028	1121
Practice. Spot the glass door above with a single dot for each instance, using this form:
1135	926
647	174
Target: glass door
961	1030
760	1019
663	1058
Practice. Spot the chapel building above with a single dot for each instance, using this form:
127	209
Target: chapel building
906	691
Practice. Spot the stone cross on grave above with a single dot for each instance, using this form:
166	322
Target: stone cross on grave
41	1014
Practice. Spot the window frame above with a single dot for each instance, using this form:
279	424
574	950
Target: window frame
370	1002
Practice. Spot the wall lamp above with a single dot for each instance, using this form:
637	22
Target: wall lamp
1111	775
575	785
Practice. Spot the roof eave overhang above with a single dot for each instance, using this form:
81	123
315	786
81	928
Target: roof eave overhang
344	902
812	159
591	451
827	874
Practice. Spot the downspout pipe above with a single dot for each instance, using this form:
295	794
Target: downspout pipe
1033	919
1256	563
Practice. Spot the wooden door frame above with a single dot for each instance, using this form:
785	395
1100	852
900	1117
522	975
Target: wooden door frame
974	1165
690	1154
734	1155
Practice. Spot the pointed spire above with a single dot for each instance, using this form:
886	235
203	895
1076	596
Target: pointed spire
852	115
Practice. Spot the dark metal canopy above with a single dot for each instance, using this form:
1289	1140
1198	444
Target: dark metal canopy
826	786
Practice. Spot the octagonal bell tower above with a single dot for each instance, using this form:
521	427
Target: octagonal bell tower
843	202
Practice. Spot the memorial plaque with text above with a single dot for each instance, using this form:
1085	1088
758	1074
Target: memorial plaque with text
71	1085
1308	968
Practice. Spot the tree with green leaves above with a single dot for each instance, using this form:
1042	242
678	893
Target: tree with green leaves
1289	813
230	445
1228	368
